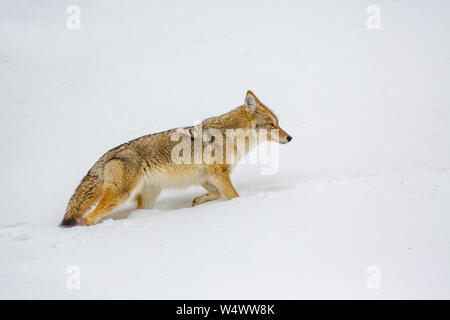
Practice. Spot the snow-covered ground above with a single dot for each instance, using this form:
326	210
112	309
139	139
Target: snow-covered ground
365	182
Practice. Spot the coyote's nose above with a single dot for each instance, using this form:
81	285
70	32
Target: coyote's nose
289	138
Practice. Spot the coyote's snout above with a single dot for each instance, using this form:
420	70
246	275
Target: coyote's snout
141	168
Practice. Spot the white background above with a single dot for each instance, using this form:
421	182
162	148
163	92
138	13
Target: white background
366	180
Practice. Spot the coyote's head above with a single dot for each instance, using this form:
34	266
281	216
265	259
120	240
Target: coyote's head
263	118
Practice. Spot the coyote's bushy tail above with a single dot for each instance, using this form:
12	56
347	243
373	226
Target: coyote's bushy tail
82	200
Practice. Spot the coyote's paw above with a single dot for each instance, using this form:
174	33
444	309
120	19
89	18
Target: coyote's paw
198	200
205	198
89	221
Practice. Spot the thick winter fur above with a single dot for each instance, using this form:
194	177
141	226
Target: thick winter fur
141	168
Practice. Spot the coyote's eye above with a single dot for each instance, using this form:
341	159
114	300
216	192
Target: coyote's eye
272	125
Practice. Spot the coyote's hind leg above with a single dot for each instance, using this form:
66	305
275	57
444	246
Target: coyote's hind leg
138	200
110	200
118	183
149	194
147	197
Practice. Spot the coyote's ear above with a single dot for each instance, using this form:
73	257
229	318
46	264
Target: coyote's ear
251	102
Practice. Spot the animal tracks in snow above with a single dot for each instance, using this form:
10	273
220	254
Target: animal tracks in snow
15	232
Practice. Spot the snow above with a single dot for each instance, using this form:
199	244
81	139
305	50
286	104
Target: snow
365	182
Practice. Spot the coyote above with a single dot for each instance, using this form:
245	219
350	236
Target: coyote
139	169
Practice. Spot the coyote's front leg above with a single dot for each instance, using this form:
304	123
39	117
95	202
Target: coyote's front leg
219	176
213	194
218	184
